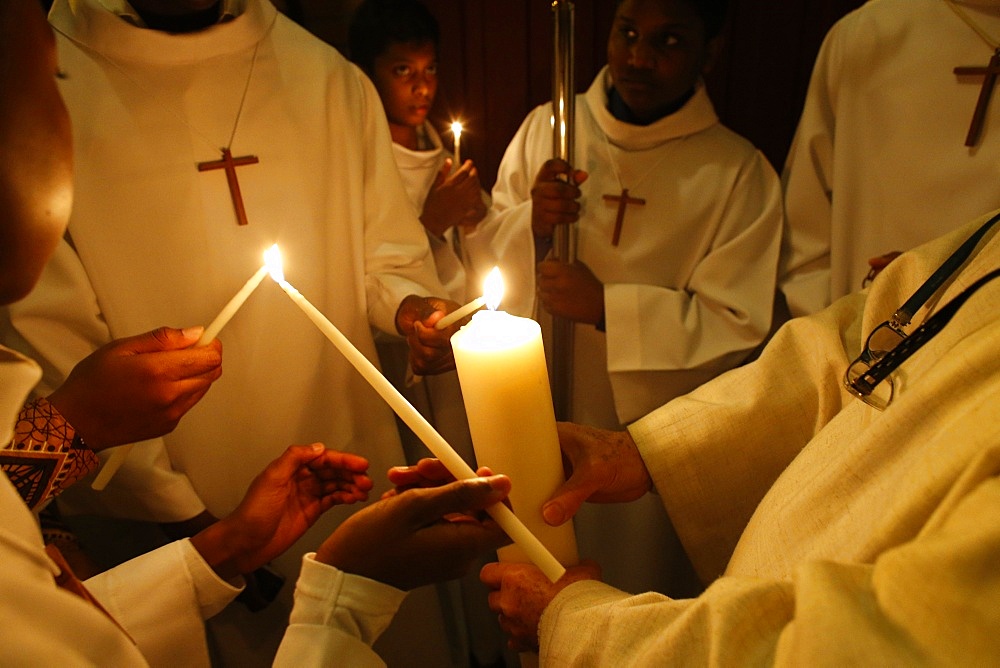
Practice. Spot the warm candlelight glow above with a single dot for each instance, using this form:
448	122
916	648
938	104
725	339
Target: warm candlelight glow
493	289
456	131
492	294
272	260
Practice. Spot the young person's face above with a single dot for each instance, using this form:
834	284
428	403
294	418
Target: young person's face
406	78
656	52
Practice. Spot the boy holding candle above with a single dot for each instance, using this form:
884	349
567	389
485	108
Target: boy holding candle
678	228
395	42
154	90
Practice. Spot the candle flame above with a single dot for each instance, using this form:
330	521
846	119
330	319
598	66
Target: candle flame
493	289
272	258
456	129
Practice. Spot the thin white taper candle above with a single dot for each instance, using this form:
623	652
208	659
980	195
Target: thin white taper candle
230	309
460	313
492	290
120	454
456	131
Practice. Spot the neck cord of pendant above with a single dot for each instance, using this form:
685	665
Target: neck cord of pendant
617	173
171	108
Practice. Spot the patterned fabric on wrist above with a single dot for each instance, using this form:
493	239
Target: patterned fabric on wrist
46	455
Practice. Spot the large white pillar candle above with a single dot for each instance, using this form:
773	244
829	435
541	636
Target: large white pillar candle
501	368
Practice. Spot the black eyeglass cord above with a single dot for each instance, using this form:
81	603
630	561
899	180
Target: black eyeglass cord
902	317
904	349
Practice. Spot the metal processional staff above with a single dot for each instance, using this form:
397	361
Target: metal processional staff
563	241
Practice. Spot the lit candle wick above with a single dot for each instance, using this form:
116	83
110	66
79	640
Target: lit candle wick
492	294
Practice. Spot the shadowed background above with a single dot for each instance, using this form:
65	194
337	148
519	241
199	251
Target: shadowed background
496	60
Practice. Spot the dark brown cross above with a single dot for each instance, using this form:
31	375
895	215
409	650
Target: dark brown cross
229	163
623	201
989	73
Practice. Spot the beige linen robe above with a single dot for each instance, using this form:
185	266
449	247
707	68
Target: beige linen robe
830	533
878	162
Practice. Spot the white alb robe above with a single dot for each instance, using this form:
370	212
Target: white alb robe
688	292
160	598
878	162
155	242
419	169
839	535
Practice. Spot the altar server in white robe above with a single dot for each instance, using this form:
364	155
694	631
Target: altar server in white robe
685	291
882	160
155	241
828	532
395	42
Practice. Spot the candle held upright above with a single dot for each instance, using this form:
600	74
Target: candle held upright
456	131
501	368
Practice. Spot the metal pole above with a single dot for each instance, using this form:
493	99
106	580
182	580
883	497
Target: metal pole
563	246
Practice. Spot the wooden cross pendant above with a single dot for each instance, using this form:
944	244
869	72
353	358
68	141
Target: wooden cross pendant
989	73
229	163
623	201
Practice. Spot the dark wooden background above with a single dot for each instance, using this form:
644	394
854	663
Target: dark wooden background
496	60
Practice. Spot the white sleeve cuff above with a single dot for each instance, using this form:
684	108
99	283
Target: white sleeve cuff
327	596
212	592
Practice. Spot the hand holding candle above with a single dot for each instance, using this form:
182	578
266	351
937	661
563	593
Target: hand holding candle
492	286
514	528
